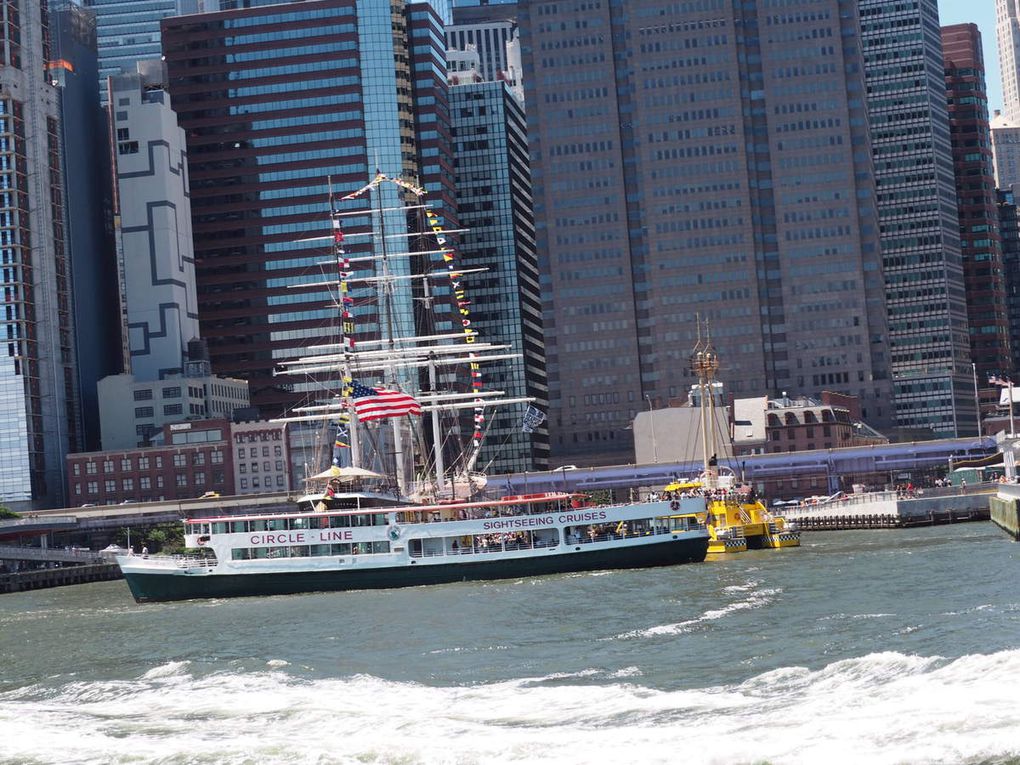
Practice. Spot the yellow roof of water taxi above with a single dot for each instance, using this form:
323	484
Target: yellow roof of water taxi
678	486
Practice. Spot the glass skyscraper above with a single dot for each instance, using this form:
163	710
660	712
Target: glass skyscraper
699	159
283	104
494	204
127	31
933	381
39	409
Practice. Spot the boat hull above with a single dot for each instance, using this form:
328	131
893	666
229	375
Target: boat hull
159	586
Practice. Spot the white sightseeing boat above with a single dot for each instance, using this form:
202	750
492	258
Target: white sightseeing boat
402	546
400	506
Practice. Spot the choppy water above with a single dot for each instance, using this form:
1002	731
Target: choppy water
859	647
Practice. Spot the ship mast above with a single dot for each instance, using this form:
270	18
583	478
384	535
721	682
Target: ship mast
705	363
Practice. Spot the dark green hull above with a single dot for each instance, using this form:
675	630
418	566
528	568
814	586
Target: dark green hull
157	587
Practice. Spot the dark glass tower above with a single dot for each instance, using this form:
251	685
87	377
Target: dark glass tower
697	159
980	244
932	375
494	204
275	101
89	207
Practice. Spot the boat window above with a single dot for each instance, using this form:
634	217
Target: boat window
318	522
299	523
380	519
276	524
343	549
242	553
260	552
219	527
238	526
277	552
259	524
339	521
299	551
380	547
318	551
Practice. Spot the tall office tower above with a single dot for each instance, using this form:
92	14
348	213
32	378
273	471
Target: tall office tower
276	101
694	159
88	206
494	203
128	32
1007	33
1005	150
155	242
488	38
38	392
933	381
1009	234
980	246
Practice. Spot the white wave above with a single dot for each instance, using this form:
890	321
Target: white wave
882	709
756	599
276	663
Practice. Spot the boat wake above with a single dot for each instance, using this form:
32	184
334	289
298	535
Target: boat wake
754	598
880	708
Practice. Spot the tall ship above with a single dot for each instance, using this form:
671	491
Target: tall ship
403	410
736	519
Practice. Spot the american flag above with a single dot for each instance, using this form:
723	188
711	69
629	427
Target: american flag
377	403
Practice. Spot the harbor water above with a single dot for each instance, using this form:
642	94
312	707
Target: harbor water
896	646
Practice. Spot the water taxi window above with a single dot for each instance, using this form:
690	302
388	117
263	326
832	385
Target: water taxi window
238	526
219	527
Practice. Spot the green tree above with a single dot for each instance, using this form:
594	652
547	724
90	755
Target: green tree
6	514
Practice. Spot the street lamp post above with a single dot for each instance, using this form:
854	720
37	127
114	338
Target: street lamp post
651	420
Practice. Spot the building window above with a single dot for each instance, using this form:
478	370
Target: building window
110	486
107	466
242	468
127	147
128	484
169	409
244	483
200	478
279	465
216	457
125	464
254	467
143	411
199	458
92	487
277	451
143	463
159	482
217	477
265	451
180	460
174	392
159	461
90	468
254	483
279	480
182	479
143	394
265	467
77	488
145	482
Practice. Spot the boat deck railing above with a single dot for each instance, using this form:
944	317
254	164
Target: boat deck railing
586	539
178	561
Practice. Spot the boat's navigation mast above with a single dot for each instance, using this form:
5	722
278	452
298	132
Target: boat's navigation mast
705	363
347	415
